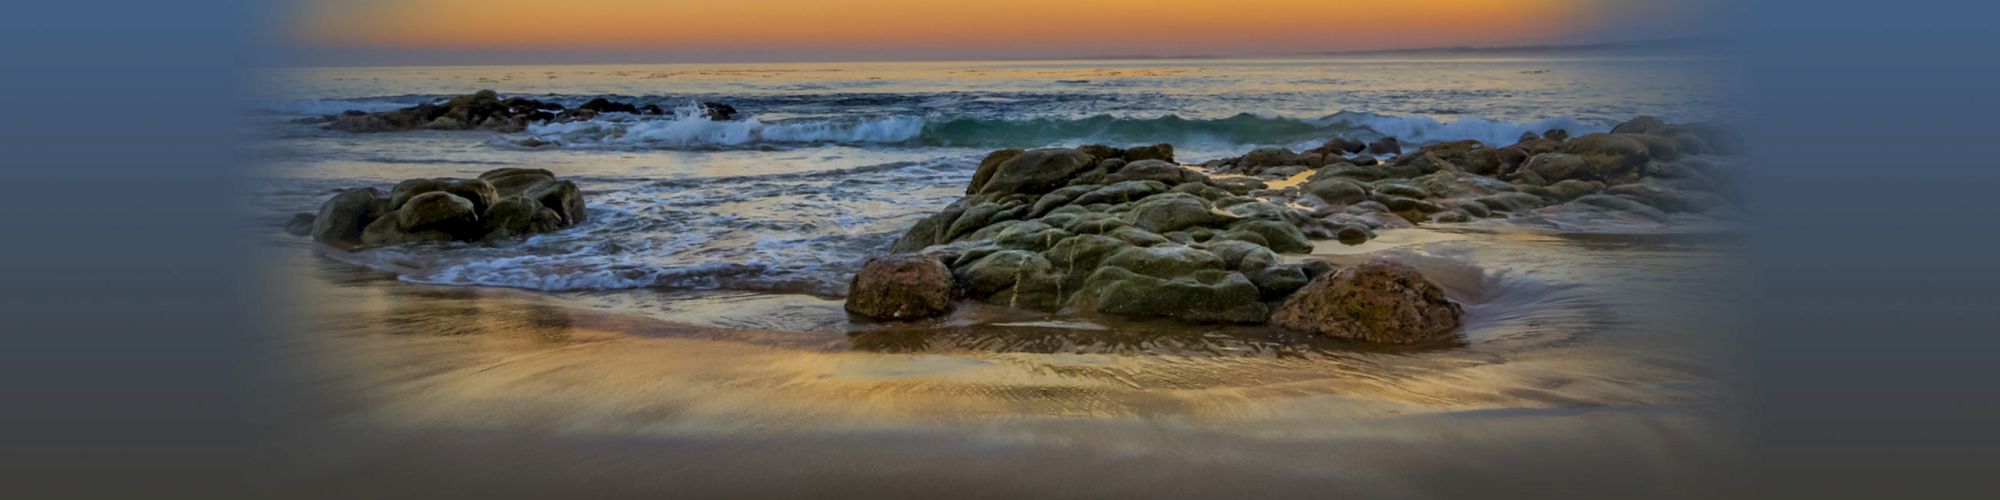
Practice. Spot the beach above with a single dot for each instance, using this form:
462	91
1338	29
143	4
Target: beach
686	329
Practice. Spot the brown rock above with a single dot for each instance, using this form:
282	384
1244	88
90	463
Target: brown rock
901	287
1376	302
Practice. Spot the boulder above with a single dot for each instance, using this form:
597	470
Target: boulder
1544	169
519	216
716	111
1640	125
901	287
1342	145
602	105
1378	301
1154	170
1211	296
1175	211
1166	261
1161	152
1338	190
512	181
1034	172
436	209
481	193
1386	146
388	230
501	203
1608	157
342	218
561	196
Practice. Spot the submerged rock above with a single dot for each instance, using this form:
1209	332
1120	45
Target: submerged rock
485	110
1375	302
901	287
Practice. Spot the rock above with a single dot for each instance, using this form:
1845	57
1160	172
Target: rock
1556	134
1154	170
1161	152
512	181
1237	185
1353	235
1469	156
1077	255
342	218
988	166
519	216
560	196
1276	282
1608	157
1375	302
1386	146
481	193
1657	147
388	230
1548	168
1510	202
300	225
1279	236
437	210
1459	185
526	201
1342	145
1166	261
1122	192
1640	125
1211	296
717	111
1014	278
1034	172
901	287
1203	190
1175	211
1572	189
602	105
1281	172
1337	190
1260	158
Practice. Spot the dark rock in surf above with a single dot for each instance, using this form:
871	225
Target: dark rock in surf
1386	146
501	203
717	111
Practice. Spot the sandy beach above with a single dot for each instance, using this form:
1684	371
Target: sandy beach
1577	355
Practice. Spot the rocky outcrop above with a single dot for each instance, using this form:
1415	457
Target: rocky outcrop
901	287
486	110
502	203
1375	302
1115	231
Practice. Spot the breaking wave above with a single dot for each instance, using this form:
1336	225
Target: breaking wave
688	132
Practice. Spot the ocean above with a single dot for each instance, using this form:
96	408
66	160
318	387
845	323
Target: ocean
831	161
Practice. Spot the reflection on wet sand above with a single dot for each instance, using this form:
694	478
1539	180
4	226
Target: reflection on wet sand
1576	345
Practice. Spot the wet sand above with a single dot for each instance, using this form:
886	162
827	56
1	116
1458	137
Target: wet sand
1596	365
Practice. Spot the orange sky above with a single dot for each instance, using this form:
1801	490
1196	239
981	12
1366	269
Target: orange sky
1051	27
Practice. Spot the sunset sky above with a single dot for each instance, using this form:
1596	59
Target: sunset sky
486	31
